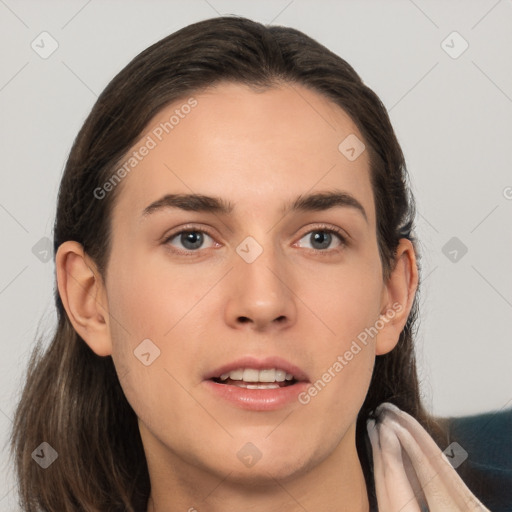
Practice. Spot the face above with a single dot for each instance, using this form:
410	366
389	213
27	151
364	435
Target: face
258	285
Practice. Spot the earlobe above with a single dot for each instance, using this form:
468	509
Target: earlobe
83	296
398	297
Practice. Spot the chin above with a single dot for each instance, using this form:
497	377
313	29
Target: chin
265	473
260	466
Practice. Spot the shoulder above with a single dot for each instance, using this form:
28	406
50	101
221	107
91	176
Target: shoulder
484	453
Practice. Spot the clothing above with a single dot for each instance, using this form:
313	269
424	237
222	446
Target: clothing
488	469
412	474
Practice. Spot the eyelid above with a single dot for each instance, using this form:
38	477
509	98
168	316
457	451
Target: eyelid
187	228
329	228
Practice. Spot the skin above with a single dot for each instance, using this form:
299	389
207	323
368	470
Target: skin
258	150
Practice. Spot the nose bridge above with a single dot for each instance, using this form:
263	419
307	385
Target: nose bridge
261	279
260	264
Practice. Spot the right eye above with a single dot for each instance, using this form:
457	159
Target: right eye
191	240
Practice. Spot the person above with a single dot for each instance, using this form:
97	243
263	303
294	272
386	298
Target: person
237	281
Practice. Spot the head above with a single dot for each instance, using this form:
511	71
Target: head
259	118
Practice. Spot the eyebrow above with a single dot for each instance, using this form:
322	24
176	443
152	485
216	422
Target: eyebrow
318	201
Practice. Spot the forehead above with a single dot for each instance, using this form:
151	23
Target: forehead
254	148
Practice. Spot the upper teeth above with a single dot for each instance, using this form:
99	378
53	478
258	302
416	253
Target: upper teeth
253	375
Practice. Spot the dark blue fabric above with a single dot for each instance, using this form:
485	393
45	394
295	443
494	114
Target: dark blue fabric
488	469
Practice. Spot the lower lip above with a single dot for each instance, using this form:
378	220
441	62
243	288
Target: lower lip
257	399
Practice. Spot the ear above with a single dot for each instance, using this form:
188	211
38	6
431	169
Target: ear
397	297
83	295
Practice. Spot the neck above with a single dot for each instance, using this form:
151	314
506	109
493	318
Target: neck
333	484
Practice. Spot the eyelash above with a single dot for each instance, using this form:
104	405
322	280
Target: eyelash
321	228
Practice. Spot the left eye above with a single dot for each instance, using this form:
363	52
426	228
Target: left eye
322	239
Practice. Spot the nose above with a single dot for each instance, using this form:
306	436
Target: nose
261	293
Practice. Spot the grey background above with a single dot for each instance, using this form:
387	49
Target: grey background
452	117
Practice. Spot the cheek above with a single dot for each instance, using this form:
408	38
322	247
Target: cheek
149	302
332	403
338	390
148	297
348	301
349	304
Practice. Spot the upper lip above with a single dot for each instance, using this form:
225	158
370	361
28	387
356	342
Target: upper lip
258	364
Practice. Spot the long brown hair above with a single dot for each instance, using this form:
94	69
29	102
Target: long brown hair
72	398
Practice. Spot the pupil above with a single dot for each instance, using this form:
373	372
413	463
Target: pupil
320	236
192	239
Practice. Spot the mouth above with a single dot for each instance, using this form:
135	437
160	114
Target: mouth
252	378
258	385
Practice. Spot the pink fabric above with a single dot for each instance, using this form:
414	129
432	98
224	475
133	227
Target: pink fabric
411	473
